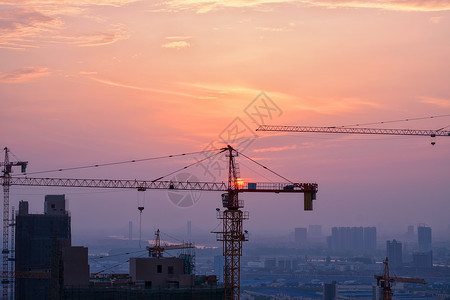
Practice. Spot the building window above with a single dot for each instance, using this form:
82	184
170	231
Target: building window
170	270
159	268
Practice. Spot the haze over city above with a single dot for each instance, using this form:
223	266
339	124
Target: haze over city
84	83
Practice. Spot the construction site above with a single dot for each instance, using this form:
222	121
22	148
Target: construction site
40	262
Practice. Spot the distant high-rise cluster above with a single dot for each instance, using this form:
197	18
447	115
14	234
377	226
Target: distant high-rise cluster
353	238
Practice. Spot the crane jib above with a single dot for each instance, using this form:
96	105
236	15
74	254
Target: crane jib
355	130
160	185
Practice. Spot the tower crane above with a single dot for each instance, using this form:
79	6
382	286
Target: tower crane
6	177
158	249
355	130
384	281
232	234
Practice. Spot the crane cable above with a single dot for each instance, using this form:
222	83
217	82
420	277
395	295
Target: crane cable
190	165
109	268
119	162
261	165
395	121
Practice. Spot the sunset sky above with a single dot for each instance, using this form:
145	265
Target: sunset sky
86	82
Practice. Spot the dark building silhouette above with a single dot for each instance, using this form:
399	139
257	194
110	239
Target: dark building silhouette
300	236
424	235
39	242
395	253
330	291
423	260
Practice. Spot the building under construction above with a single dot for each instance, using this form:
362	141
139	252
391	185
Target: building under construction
49	267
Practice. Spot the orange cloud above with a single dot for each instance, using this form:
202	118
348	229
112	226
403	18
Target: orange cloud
34	24
403	5
176	45
441	102
19	26
143	88
23	74
99	39
275	149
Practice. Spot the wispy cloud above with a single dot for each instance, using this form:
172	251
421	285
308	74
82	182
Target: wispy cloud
178	37
335	105
176	45
20	26
440	102
67	3
141	88
33	24
204	6
23	74
401	5
436	20
99	39
275	149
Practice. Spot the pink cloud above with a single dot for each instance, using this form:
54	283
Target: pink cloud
402	5
440	102
176	45
275	149
20	26
23	74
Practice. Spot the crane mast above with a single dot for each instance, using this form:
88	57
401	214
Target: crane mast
6	178
232	234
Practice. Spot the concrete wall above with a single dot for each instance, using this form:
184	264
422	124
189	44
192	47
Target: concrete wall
160	272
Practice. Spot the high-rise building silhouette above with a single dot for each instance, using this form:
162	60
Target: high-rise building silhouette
410	232
395	253
370	238
424	236
423	260
330	291
39	242
300	236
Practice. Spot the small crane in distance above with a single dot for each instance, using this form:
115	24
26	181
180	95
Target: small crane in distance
384	281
